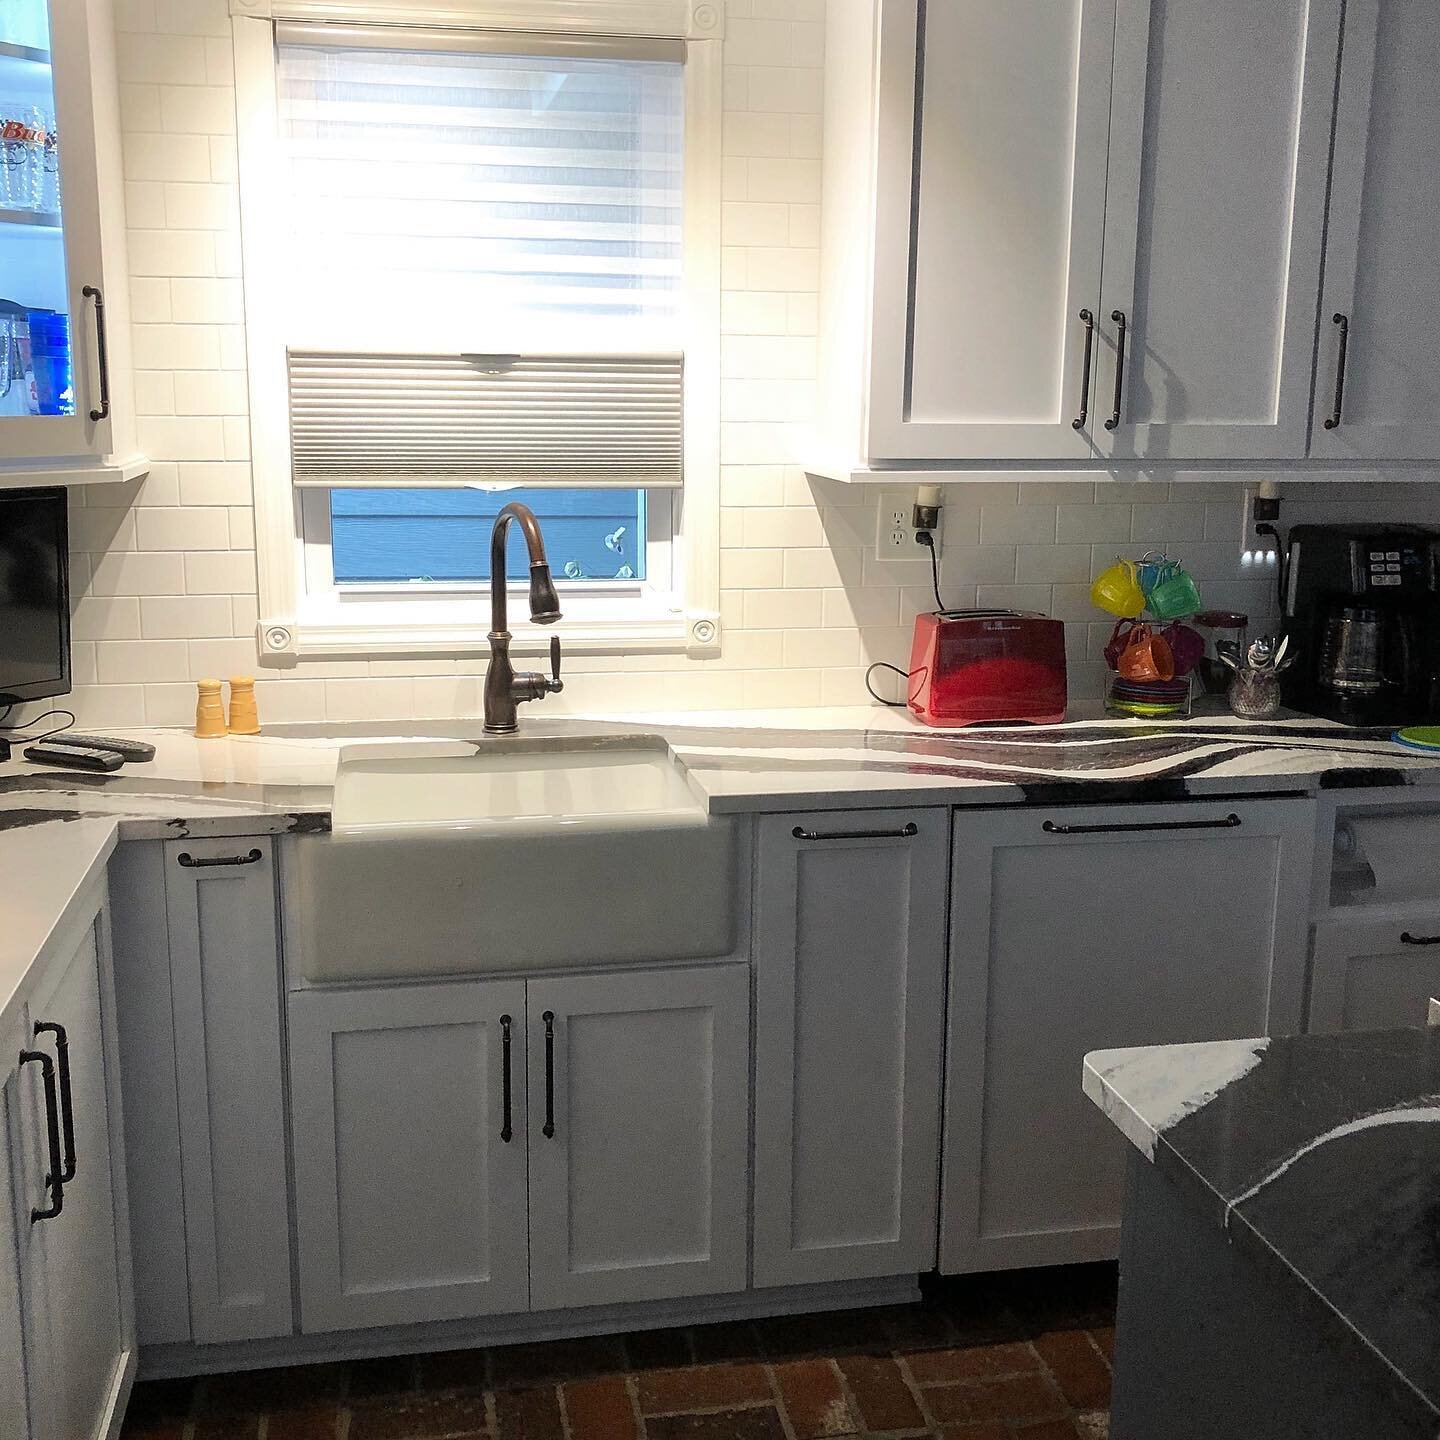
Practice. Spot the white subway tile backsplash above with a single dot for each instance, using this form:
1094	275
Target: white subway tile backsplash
190	528
185	617
165	570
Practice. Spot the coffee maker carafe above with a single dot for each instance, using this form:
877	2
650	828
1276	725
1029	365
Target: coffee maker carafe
1362	610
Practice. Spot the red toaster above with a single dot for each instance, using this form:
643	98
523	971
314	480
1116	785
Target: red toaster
972	666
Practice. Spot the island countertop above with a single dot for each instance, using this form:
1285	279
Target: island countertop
1319	1156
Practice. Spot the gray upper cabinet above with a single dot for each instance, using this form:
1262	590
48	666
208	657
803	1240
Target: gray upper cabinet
1086	929
1214	215
953	329
639	1083
74	1257
1087	230
850	966
225	983
1382	267
410	1137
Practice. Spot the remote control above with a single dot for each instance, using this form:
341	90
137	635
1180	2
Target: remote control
136	750
74	757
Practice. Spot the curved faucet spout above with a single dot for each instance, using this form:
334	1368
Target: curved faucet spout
503	688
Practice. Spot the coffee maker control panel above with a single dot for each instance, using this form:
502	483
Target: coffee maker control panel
1394	569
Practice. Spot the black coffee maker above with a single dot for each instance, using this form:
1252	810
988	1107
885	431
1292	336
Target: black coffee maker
1362	610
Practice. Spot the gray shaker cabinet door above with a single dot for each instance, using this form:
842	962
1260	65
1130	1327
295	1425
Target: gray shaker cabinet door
1382	271
220	897
14	1404
410	1200
639	1191
78	1320
1087	929
850	979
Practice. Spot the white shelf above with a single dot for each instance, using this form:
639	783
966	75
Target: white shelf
18	475
36	219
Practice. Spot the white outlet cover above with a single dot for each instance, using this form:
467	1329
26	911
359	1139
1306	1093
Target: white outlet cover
894	534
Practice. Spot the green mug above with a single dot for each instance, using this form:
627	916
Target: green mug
1175	598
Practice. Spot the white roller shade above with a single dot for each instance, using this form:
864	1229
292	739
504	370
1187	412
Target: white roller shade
433	420
443	185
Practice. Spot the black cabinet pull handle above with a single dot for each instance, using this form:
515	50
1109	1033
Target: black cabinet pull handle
67	1097
506	1133
102	350
191	863
1343	321
1408	939
548	1129
1088	320
53	1182
905	832
1122	325
1228	823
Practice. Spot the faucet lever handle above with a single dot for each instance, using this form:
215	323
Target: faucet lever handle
555	681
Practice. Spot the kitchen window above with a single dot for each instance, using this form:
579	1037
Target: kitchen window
481	265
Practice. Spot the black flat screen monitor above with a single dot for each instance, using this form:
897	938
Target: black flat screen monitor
34	595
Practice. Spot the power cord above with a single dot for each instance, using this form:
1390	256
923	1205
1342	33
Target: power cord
903	674
45	734
925	538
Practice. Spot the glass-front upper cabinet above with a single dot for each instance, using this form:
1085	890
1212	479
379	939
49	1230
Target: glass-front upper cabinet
64	344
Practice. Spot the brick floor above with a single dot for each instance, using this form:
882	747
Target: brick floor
998	1357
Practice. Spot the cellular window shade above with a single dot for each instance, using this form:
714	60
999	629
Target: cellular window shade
431	181
435	420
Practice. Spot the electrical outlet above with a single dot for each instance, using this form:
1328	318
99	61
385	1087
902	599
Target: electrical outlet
894	534
1257	552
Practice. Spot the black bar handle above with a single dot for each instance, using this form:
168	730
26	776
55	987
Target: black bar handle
1343	321
102	350
548	1129
67	1097
1087	318
905	832
1122	325
506	1132
1228	823
53	1182
204	862
1408	939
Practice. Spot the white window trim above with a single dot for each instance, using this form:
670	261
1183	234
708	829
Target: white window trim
297	623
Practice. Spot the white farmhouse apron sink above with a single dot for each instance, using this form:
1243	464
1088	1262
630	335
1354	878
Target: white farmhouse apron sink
498	856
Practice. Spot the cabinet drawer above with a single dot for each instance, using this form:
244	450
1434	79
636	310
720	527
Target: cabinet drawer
1374	974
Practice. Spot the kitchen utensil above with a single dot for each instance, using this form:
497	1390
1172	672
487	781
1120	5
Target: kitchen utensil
1351	659
968	667
1117	590
1119	638
1187	646
1175	597
1419	737
1147	656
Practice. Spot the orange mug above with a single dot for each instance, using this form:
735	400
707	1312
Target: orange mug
1146	656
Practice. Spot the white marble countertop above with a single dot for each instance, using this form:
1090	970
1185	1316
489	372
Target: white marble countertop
44	869
57	826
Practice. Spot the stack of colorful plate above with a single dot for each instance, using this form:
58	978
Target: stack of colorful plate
1150	698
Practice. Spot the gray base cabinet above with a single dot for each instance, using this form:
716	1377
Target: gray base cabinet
220	899
850	967
1089	928
639	1091
1375	974
410	1184
71	1239
488	1146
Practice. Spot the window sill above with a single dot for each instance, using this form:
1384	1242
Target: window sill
284	643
